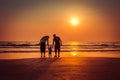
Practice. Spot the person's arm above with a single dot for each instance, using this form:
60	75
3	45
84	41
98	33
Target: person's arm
40	42
47	42
53	43
60	42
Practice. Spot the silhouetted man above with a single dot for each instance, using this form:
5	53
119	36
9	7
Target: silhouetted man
57	43
43	42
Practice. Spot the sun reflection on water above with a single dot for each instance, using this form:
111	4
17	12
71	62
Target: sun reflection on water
74	43
74	53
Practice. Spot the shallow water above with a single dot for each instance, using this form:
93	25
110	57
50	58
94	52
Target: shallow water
62	54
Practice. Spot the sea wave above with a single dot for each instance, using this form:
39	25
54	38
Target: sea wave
18	46
36	43
31	51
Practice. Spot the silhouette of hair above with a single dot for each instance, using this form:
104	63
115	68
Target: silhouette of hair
46	36
54	34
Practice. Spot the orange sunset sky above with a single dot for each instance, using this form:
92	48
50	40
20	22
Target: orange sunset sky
29	20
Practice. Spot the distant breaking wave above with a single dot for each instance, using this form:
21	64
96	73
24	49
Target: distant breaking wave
5	51
24	46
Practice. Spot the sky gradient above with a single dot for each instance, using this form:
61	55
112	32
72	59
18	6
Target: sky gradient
29	20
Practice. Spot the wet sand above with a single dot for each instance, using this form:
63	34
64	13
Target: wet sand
65	68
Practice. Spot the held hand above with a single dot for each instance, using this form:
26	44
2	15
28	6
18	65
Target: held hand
52	46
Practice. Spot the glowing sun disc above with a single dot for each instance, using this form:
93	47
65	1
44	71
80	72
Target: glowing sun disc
74	21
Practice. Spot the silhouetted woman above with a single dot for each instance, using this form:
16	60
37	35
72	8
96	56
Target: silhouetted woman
43	41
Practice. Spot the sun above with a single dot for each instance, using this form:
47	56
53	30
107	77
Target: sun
74	21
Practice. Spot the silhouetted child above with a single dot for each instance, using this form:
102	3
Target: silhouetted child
50	51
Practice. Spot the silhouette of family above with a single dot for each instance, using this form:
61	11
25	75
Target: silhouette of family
56	44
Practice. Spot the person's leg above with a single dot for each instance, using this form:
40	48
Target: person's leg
58	54
42	49
51	55
41	54
58	51
44	54
55	51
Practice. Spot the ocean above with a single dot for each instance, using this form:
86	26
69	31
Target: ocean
26	49
33	46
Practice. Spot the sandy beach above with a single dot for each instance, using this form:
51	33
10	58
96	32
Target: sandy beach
83	33
65	68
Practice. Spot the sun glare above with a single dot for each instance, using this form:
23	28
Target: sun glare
74	21
74	53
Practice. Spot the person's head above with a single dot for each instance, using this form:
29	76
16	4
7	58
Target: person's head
54	35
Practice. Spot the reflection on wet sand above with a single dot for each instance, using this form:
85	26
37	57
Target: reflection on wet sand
63	54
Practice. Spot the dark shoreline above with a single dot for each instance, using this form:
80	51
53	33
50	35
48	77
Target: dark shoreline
60	69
